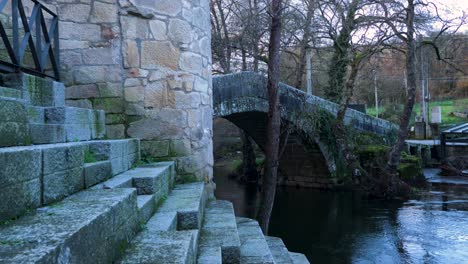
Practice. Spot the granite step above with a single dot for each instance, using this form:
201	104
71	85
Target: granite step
168	236
254	248
10	92
152	182
219	240
151	246
44	174
91	226
278	250
298	258
188	200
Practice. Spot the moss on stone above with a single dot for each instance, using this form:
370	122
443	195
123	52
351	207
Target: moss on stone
89	157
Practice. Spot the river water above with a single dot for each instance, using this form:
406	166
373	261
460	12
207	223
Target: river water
342	227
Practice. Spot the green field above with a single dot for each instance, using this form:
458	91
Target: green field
447	109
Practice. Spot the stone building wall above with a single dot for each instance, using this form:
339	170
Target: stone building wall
148	65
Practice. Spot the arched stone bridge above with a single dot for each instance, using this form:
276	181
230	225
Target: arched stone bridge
241	98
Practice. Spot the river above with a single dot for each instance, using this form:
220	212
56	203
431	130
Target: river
342	227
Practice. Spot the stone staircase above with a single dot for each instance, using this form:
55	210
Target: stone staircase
74	197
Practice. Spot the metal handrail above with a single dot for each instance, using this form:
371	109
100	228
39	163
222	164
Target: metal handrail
40	50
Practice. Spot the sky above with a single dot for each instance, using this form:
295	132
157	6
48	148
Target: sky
453	8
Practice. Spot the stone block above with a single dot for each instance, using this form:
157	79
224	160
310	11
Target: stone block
134	94
156	54
90	74
131	54
155	148
62	157
158	29
134	27
74	12
155	95
14	128
76	230
110	105
59	185
85	91
10	92
75	31
180	147
97	172
191	62
115	131
100	56
110	89
16	199
99	124
36	114
180	31
104	13
78	132
19	164
82	103
47	133
112	119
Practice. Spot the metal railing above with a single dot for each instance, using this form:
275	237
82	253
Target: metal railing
39	40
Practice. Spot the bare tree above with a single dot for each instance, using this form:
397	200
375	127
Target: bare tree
274	119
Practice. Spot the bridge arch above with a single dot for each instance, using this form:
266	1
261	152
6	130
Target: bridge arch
241	98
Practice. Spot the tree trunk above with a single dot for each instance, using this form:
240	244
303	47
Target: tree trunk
395	154
340	131
303	45
340	59
274	119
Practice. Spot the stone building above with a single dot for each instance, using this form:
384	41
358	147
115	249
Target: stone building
148	65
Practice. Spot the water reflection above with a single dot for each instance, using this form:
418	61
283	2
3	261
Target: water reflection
341	227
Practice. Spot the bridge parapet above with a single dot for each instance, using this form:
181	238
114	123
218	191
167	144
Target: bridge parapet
247	91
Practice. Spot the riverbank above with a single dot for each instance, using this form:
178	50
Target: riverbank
344	227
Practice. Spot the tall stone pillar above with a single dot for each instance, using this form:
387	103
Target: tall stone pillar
166	48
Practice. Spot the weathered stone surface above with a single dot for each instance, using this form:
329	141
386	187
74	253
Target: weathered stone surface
97	172
165	7
134	94
146	207
47	133
61	184
100	56
298	258
14	129
104	13
82	91
115	131
74	230
188	200
62	157
179	31
156	54
109	105
254	248
17	198
155	95
219	230
278	250
75	31
155	148
90	74
109	89
74	12
161	247
158	29
134	27
190	62
131	54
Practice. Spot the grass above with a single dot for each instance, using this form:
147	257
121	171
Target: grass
447	109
